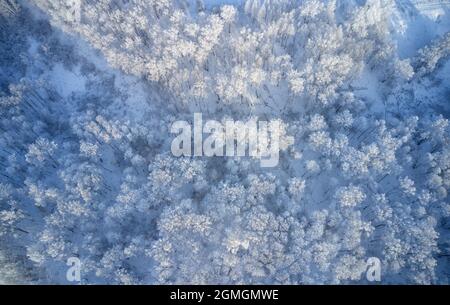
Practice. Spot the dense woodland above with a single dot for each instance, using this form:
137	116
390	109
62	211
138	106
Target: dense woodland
87	96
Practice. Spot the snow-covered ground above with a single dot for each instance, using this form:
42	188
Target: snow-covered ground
86	168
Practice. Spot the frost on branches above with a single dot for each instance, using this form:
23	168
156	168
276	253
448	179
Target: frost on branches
86	168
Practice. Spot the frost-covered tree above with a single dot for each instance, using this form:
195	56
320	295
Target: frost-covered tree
87	98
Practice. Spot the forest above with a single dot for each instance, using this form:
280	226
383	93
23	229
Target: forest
89	91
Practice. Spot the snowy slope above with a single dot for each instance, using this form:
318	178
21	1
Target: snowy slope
418	22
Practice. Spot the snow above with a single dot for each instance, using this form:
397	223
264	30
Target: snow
66	81
214	3
85	153
419	22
